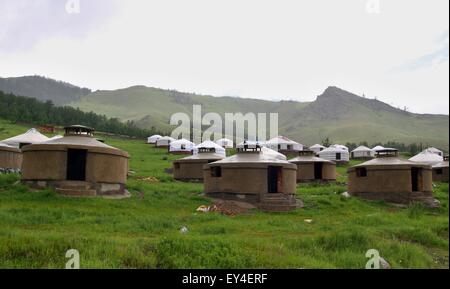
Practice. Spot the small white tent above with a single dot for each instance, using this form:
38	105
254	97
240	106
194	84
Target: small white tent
152	139
281	143
181	146
219	150
335	153
317	148
435	151
225	143
427	157
362	152
32	136
164	141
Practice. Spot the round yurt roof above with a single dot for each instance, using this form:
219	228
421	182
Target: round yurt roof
224	140
210	145
5	147
181	142
76	142
263	156
427	157
317	146
281	140
32	136
334	149
440	165
434	150
309	159
155	136
388	161
167	138
362	149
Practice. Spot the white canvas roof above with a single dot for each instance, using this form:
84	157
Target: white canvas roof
435	151
153	138
210	145
224	142
338	147
362	149
32	136
319	146
427	157
378	148
281	140
181	145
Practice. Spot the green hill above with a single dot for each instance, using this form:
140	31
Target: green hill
43	89
336	114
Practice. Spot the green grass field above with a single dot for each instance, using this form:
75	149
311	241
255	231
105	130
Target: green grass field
37	228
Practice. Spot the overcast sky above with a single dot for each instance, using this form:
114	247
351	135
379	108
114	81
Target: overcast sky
396	51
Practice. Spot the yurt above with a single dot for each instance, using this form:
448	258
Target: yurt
256	175
440	171
181	146
317	148
427	157
32	136
211	146
335	153
311	168
362	152
10	157
152	139
225	143
378	148
76	165
164	142
435	151
191	168
391	179
283	145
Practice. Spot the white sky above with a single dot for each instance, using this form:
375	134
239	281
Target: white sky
272	50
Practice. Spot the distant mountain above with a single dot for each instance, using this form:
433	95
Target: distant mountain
337	114
42	88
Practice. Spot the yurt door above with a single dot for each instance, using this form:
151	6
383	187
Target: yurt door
318	171
415	179
76	165
274	179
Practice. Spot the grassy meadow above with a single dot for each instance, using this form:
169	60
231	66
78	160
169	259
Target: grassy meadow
37	228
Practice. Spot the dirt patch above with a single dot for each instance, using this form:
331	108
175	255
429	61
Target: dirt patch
150	180
232	208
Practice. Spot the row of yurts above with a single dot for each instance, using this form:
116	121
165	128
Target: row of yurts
78	164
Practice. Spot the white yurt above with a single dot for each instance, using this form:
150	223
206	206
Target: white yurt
362	152
335	153
317	148
209	145
427	157
32	136
164	141
152	139
435	151
225	143
283	144
181	146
